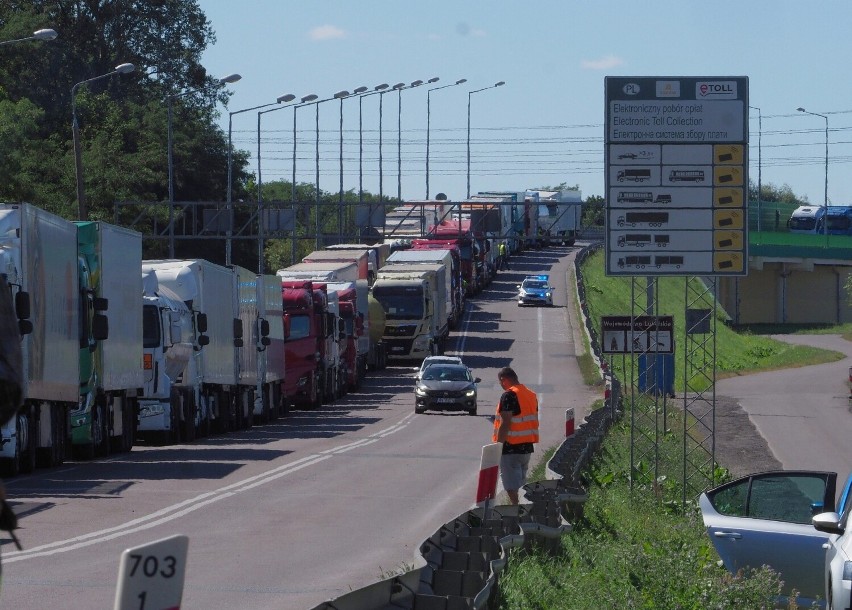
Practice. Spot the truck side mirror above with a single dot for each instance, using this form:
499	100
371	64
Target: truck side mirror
238	328
201	322
101	304
100	327
286	326
25	327
264	327
22	305
203	340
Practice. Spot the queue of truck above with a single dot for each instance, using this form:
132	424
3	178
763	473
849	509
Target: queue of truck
120	350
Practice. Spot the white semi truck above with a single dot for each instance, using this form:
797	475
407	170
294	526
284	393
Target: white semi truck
208	289
38	255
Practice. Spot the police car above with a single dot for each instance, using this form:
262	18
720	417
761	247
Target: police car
535	290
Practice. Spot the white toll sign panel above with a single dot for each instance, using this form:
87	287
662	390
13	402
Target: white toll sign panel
151	576
676	173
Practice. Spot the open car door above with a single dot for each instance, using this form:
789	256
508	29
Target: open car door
765	519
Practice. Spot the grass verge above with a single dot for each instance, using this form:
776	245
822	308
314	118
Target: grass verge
632	549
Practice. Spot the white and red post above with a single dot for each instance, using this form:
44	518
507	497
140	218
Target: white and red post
569	422
489	471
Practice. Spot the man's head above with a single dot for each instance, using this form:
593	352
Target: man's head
507	377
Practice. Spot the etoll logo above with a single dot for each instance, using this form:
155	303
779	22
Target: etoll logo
631	89
717	89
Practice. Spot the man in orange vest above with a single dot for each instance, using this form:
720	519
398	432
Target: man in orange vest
516	426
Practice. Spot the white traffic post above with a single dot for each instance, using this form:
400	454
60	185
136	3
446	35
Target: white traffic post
151	576
489	470
569	422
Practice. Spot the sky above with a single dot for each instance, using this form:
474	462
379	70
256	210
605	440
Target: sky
545	125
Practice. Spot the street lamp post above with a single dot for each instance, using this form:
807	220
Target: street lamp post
759	164
416	83
304	101
82	211
428	122
45	34
396	87
825	205
376	89
469	93
230	78
283	99
337	96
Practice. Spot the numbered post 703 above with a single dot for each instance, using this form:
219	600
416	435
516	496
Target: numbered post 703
151	576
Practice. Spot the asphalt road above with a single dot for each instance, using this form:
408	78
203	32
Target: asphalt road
303	510
802	414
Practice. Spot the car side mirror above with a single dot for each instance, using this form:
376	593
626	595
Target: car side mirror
477	380
828	523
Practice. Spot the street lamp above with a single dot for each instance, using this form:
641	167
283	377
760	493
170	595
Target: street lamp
304	101
825	206
499	84
396	87
376	89
759	163
230	78
336	96
399	90
46	34
283	99
428	121
75	132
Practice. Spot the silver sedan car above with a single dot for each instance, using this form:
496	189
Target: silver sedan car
788	521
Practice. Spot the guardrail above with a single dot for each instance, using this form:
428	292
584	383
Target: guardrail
465	556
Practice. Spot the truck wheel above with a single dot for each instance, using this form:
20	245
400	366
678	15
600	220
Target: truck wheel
188	426
11	467
29	426
172	436
102	426
203	428
54	455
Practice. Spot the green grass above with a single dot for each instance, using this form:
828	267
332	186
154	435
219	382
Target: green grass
635	548
642	548
737	353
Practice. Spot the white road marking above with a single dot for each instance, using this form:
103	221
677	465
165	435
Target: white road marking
175	511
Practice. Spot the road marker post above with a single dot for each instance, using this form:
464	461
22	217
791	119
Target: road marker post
152	575
569	422
489	471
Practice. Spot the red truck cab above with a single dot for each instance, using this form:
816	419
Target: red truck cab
305	307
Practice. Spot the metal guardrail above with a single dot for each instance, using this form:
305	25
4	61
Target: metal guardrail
465	556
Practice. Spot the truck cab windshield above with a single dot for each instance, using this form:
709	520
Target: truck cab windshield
300	327
399	304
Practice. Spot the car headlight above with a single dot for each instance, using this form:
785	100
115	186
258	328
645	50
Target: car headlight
418	391
847	570
548	295
470	393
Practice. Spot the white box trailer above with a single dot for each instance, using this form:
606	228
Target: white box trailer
433	257
331	271
38	254
111	374
209	289
260	358
270	326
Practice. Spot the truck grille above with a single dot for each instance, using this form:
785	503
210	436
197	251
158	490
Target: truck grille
406	330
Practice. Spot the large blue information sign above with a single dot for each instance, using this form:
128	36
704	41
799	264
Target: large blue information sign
676	175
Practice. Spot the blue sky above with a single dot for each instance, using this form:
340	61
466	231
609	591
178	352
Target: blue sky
545	125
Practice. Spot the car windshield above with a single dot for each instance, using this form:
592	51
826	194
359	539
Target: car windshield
534	284
432	360
447	373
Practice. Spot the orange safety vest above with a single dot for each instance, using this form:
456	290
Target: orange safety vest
524	427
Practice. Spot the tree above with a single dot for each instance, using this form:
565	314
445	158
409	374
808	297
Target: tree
122	118
594	209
